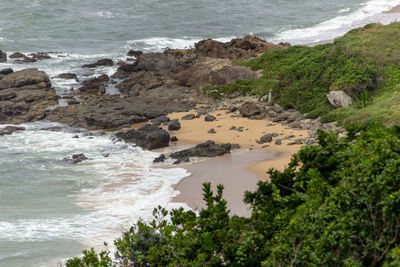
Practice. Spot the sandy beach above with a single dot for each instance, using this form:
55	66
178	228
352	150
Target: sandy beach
394	10
239	171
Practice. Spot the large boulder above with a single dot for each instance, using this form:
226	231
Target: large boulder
25	77
147	137
339	99
207	149
25	96
250	109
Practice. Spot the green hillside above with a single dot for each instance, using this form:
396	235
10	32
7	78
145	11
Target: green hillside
365	63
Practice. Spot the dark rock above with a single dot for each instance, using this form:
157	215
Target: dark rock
296	142
212	131
174	139
184	159
289	136
99	63
6	71
295	116
134	53
10	129
235	146
209	117
277	108
266	138
207	149
160	120
232	128
75	136
53	129
23	78
17	55
95	85
68	76
25	96
3	56
249	109
278	142
174	125
285	44
147	137
76	158
159	159
188	117
282	116
39	56
233	109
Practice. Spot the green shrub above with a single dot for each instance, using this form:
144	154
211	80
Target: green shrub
364	60
336	204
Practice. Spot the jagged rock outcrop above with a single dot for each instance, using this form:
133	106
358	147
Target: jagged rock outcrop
241	48
95	85
25	96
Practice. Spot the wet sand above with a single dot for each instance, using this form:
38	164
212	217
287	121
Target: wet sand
230	171
239	171
394	10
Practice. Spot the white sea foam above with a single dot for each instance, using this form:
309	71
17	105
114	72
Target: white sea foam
119	185
158	44
103	14
344	10
332	28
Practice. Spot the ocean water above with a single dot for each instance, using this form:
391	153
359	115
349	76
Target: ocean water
50	210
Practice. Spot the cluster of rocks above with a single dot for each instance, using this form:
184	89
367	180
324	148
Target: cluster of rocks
22	58
154	84
25	95
291	118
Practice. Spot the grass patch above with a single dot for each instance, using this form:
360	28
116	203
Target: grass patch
363	63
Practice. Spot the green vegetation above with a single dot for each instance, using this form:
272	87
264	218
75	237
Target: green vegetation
337	204
365	63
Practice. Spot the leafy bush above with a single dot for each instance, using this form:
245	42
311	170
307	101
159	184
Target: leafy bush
336	204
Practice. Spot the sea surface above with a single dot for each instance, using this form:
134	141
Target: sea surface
49	209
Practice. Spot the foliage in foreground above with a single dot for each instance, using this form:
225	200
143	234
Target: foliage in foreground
336	204
363	63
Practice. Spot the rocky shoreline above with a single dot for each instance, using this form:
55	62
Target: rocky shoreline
151	85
